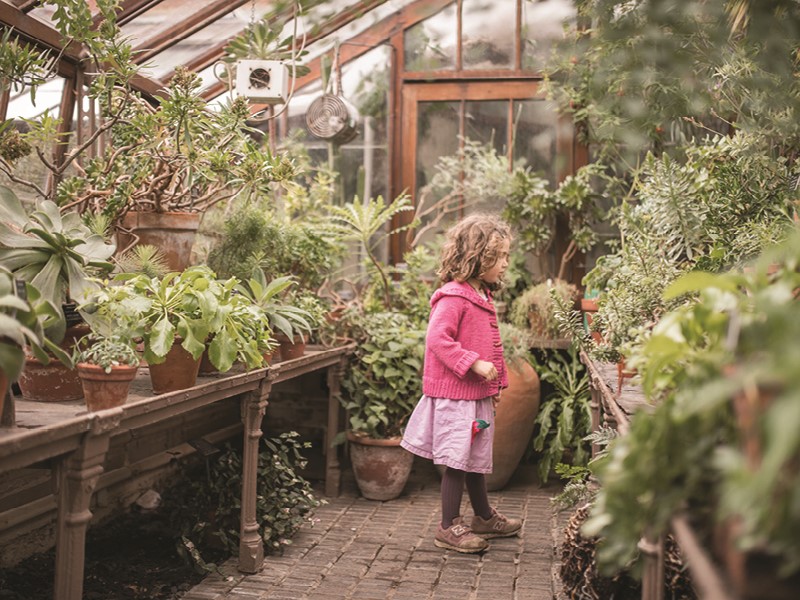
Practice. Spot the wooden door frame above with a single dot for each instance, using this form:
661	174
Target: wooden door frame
405	141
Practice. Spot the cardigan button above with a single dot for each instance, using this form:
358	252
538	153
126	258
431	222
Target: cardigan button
493	324
498	344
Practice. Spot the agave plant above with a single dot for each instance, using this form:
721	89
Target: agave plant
56	253
23	320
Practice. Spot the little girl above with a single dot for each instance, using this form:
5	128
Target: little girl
463	375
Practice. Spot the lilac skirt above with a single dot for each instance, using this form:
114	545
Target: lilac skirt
442	430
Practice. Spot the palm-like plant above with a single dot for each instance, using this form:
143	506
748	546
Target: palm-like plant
361	221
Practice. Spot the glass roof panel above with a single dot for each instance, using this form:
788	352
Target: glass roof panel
221	30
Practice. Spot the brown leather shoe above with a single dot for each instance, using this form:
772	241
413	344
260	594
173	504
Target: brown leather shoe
497	526
460	538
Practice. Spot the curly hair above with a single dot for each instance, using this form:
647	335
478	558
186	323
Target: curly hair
472	247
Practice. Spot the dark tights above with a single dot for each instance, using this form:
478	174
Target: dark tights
453	489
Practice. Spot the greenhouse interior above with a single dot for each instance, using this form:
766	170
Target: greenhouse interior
399	299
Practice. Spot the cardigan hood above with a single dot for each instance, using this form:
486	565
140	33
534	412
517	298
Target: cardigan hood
463	290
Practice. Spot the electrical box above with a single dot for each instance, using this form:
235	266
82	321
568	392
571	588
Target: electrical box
262	81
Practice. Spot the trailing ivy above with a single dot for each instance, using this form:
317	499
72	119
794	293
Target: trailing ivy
206	510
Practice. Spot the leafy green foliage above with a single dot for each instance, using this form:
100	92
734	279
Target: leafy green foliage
107	352
737	338
272	298
21	65
649	75
56	253
255	238
206	511
565	418
534	308
25	322
729	199
384	380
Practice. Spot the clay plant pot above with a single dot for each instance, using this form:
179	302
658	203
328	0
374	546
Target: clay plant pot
589	308
172	232
51	382
291	348
103	390
514	422
178	371
381	467
3	390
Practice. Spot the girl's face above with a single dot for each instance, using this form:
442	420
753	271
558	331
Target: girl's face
495	273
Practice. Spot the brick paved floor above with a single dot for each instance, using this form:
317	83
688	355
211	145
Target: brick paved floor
363	550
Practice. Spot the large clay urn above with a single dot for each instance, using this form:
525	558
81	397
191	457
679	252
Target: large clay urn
381	466
514	421
172	232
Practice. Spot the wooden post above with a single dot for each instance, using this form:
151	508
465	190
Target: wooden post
653	567
594	406
77	477
333	470
251	546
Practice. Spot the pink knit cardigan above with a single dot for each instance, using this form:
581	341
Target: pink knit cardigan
462	328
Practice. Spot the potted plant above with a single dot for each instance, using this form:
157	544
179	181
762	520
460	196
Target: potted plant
241	332
382	385
314	312
284	318
176	314
534	308
24	319
58	254
107	364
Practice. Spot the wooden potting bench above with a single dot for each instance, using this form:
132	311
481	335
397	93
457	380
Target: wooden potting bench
74	444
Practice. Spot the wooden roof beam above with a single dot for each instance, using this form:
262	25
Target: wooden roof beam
46	37
129	10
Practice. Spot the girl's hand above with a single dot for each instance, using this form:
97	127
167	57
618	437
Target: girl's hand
485	369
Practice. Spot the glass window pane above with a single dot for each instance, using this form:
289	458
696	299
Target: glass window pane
431	44
488	31
438	128
536	124
542	25
486	121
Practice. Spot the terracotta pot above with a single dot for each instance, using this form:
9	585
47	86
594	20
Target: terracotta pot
105	390
381	467
290	349
514	422
178	371
589	307
206	366
623	373
3	390
52	382
172	232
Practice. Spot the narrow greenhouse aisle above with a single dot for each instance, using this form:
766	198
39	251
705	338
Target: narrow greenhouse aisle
384	551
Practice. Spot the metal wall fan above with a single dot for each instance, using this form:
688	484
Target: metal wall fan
331	117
